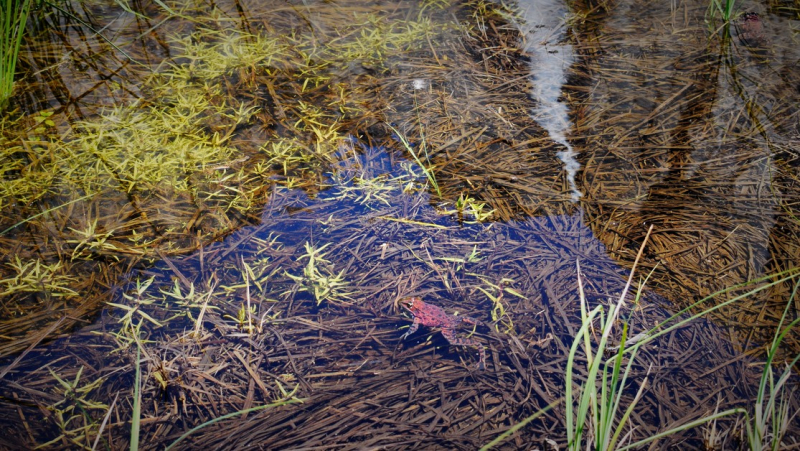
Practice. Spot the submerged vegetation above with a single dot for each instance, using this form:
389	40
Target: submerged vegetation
222	247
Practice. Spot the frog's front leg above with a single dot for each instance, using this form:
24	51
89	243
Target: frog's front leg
411	329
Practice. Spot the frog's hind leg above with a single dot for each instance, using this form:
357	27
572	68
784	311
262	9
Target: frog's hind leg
450	335
470	320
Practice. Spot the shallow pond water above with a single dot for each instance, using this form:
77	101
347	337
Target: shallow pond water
210	213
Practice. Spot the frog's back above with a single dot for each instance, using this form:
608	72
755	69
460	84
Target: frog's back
433	316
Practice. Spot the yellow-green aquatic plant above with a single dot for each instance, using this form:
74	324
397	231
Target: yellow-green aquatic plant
72	414
466	205
26	172
320	279
500	313
213	54
35	276
137	300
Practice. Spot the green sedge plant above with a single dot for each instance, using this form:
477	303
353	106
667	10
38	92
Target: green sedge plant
594	412
599	406
13	17
723	8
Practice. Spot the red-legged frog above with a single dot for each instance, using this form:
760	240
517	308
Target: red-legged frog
434	316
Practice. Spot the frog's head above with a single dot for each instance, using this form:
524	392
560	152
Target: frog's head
411	304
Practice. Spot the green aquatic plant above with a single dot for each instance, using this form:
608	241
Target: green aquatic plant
91	240
137	299
378	38
466	205
500	312
244	318
13	18
319	277
181	142
367	190
35	276
213	54
139	150
73	413
27	172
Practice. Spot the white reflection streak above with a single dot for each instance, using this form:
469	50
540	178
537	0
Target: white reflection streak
543	27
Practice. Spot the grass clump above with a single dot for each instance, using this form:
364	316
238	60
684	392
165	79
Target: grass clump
600	403
597	413
721	8
13	17
765	430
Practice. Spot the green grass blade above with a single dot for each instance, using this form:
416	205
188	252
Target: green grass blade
240	412
611	403
427	169
622	421
661	330
45	212
519	426
683	427
137	403
575	424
